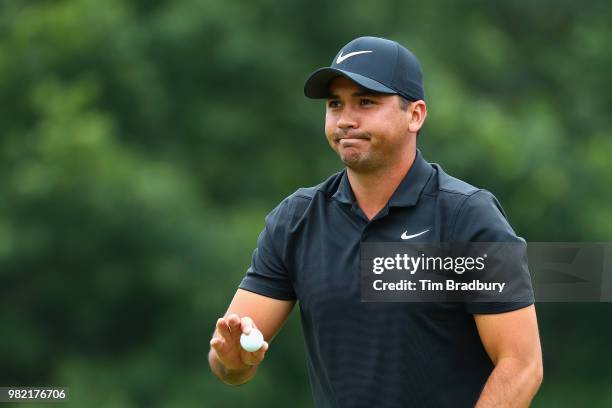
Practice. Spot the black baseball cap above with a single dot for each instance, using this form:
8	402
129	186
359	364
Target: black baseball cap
377	64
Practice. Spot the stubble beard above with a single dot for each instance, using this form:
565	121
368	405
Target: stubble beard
353	157
370	161
358	161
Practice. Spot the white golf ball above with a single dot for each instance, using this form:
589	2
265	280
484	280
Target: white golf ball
252	341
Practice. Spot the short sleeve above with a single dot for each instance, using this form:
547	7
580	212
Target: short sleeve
482	219
268	275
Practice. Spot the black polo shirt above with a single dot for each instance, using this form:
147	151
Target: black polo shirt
362	354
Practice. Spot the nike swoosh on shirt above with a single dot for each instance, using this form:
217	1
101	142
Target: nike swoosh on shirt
405	236
349	55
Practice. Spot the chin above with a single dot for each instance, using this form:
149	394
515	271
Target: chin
358	163
351	158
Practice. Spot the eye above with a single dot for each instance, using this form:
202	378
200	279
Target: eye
333	103
366	101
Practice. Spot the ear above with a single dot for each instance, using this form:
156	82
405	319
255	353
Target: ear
418	113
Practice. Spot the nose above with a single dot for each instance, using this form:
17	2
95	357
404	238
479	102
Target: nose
347	119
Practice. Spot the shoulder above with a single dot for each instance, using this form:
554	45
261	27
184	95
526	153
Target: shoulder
294	206
476	212
452	187
325	188
452	194
464	195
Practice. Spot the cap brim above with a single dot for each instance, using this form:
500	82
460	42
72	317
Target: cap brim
317	84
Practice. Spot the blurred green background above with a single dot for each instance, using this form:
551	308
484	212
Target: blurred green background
143	142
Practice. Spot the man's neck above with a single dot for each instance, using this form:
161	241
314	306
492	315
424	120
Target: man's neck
374	189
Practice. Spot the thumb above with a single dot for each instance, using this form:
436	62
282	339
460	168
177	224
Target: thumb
255	357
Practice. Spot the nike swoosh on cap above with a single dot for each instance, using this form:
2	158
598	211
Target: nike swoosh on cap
349	55
405	236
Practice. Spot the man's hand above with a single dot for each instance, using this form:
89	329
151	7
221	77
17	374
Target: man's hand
228	360
226	343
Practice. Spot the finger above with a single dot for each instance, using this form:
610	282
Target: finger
246	324
223	328
217	344
233	322
255	357
259	354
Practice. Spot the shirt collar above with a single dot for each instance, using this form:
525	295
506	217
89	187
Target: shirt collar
344	193
407	193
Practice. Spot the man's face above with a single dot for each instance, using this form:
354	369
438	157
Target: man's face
368	130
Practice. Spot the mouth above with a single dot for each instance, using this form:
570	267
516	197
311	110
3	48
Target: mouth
350	139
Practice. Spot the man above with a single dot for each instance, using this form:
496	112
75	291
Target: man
377	354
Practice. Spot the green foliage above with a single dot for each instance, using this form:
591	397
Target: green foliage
142	143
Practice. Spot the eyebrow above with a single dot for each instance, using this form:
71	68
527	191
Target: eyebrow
359	93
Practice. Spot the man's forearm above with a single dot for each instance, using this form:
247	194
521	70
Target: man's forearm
513	383
231	377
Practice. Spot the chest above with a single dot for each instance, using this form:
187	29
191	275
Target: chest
326	249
